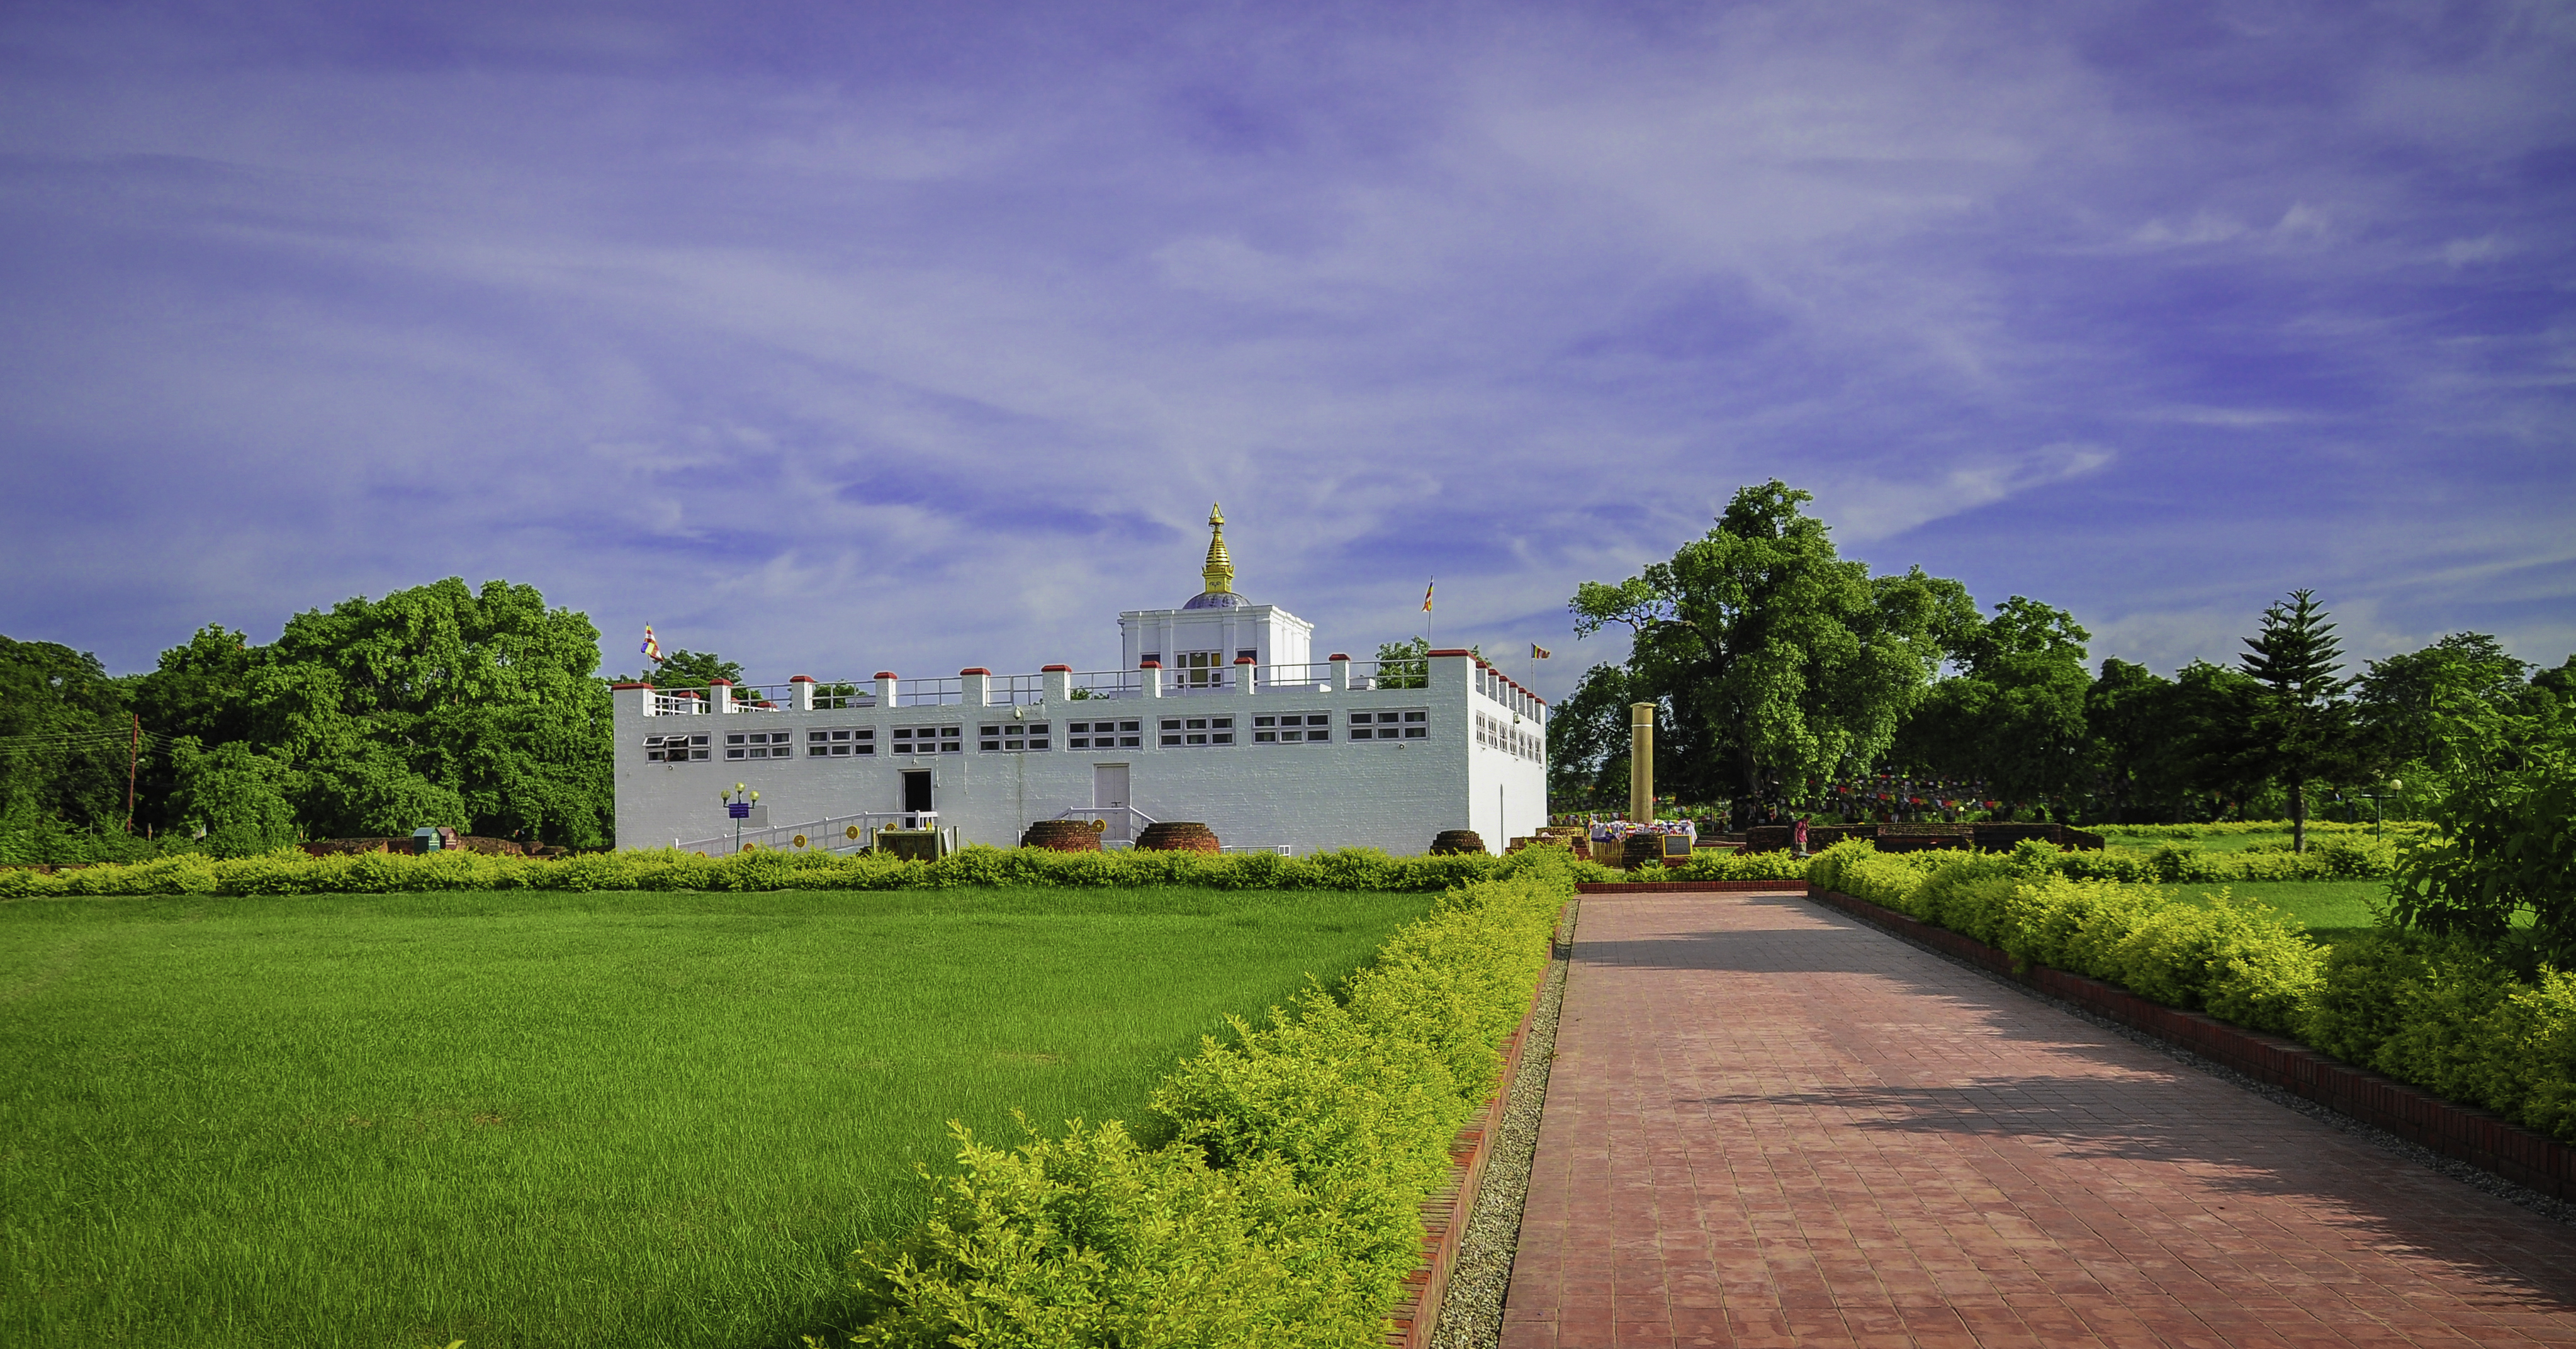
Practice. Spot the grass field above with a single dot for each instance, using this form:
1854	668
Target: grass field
2333	910
534	1119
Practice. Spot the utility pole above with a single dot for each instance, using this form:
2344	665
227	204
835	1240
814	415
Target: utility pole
133	753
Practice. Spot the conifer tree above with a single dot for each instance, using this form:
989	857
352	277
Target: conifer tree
2303	723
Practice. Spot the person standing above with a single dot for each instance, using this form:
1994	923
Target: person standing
1799	836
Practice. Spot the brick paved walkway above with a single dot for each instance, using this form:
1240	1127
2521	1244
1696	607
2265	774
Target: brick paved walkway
1770	1125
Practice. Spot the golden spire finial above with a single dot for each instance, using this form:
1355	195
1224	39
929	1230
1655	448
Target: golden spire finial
1219	572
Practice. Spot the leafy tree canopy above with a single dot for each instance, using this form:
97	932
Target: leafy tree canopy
1782	662
2014	716
64	736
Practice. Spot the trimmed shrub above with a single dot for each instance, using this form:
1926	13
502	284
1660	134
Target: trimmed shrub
291	872
2241	962
1286	1209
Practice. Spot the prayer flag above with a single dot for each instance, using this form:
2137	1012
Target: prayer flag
1426	594
1537	652
652	649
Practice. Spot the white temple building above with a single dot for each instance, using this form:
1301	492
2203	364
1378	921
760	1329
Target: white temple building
1218	714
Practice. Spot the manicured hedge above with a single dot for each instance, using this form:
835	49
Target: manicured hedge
2451	1017
2334	858
2444	1014
1284	1209
289	872
2400	829
2243	963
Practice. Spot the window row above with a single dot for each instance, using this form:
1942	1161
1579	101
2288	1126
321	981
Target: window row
1027	737
1414	725
1104	734
674	748
1495	733
1013	737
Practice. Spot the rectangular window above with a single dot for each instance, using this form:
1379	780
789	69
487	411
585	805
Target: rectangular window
1104	734
1415	725
1013	737
1193	732
758	745
1292	728
1202	669
675	748
840	743
928	740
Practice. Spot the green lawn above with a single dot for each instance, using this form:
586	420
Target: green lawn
524	1119
2333	910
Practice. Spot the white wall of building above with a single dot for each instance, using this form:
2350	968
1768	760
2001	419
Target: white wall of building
1275	636
1481	763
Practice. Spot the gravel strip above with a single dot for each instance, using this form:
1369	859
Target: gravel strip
2476	1178
1471	1312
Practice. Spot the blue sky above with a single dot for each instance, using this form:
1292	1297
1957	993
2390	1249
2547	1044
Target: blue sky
844	337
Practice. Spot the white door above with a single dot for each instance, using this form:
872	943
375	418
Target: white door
1109	796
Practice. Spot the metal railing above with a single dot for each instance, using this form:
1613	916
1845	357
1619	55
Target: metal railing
763	697
1110	684
1015	690
1122	822
929	692
844	695
681	703
840	833
1287	676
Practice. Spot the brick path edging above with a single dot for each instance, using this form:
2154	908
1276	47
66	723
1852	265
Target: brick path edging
1445	1213
2465	1133
1681	887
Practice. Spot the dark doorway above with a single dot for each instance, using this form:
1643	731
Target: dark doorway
916	789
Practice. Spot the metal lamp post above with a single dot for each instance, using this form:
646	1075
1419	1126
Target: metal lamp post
737	803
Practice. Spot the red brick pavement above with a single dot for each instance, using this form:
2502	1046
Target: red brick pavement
1770	1125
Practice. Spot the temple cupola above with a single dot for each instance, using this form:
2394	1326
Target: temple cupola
1219	571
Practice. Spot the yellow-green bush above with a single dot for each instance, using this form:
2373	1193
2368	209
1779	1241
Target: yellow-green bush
2444	1014
1286	1209
2241	962
289	872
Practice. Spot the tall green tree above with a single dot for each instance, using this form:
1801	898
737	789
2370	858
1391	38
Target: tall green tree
2302	723
64	739
237	800
1783	664
2138	763
2014	714
1587	740
2396	702
440	704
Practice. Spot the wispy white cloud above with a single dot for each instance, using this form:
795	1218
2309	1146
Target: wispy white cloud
753	328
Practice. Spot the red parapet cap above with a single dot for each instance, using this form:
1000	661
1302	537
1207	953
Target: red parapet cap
885	674
621	688
1246	660
800	679
1149	665
1451	651
973	669
1338	655
1051	669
